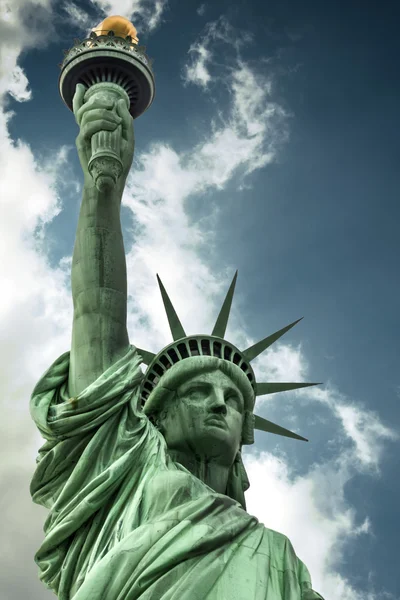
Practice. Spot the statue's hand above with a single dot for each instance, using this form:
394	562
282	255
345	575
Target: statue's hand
99	115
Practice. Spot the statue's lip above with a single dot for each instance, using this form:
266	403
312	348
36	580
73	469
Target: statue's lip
216	420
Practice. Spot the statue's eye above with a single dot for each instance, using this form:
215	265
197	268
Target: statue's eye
234	400
197	392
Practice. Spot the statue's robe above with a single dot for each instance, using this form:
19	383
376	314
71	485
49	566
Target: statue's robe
126	522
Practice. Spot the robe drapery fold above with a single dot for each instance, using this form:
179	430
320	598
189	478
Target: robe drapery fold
127	522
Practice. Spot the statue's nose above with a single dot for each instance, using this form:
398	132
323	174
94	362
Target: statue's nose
218	404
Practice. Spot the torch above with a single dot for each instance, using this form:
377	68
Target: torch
110	64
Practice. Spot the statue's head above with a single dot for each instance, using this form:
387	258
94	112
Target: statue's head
203	405
206	417
200	393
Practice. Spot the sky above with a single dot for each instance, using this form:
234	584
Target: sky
270	148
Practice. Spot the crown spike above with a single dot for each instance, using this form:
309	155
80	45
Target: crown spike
147	356
263	425
271	388
222	320
252	352
175	325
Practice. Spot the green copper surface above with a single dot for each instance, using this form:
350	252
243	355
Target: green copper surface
222	320
175	325
146	503
146	356
252	352
263	425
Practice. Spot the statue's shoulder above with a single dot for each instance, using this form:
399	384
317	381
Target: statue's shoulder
279	547
278	538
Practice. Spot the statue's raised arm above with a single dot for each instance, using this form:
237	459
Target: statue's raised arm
98	277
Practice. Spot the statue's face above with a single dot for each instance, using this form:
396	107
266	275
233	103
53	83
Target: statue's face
206	417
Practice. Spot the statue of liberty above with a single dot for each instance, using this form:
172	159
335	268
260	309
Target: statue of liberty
142	472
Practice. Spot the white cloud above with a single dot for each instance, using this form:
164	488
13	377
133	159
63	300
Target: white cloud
18	85
319	522
78	16
33	302
198	72
312	510
35	310
361	426
149	12
17	34
145	14
155	16
161	184
201	10
205	53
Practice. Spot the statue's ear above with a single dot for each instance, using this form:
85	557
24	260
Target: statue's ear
156	420
248	428
153	419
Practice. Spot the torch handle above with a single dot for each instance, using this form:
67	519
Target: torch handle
105	164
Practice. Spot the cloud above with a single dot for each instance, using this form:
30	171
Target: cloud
319	522
198	71
256	126
162	184
146	14
23	25
17	85
363	427
204	53
35	310
321	513
155	17
149	12
77	16
201	10
33	302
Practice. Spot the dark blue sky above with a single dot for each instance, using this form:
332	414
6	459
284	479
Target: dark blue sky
316	232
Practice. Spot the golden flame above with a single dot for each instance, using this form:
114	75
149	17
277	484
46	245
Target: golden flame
119	25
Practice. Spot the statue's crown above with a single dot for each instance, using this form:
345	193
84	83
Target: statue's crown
215	345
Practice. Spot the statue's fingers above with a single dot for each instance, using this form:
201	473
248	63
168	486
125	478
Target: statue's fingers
95	126
93	104
100	113
77	100
127	121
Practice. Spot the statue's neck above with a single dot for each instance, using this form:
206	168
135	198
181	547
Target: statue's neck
207	470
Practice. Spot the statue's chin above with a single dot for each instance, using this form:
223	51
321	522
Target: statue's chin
215	445
207	441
